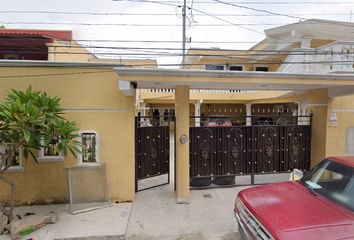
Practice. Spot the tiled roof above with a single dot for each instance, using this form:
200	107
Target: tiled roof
59	35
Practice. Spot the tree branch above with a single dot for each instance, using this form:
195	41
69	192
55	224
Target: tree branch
4	158
4	210
10	157
12	184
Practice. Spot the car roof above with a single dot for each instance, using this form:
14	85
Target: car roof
347	160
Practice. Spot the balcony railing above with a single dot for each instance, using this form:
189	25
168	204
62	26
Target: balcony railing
336	57
163	90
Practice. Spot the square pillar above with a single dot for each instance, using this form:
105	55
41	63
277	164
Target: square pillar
317	104
182	149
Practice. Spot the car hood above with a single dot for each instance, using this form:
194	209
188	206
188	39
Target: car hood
289	211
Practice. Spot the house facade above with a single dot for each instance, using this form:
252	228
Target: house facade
299	69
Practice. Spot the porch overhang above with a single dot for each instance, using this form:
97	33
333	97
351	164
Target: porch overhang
220	80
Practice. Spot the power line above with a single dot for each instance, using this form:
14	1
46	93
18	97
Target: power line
245	58
266	3
52	74
141	25
165	14
208	14
21	38
281	52
282	14
166	65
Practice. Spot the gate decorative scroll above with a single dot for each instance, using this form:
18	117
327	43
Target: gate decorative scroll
205	136
154	147
256	149
268	140
295	143
235	144
151	149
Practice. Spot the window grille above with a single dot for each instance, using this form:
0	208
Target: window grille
89	140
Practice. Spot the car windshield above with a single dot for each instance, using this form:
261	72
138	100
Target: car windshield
332	180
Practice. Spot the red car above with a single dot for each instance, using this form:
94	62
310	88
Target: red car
319	206
219	121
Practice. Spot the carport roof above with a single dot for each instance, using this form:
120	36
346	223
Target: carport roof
243	80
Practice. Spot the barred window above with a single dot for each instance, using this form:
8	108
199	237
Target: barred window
90	149
49	153
16	164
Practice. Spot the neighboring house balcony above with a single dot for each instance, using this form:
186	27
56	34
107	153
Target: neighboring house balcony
333	58
166	95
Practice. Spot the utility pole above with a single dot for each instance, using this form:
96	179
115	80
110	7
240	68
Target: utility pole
184	34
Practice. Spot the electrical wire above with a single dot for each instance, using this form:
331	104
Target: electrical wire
164	14
139	25
154	66
208	14
52	74
21	38
281	14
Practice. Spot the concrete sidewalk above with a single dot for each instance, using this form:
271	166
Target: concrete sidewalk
153	215
99	224
156	215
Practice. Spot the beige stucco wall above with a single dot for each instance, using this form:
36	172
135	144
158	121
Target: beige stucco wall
45	182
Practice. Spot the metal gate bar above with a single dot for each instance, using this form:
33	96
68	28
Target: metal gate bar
221	149
152	144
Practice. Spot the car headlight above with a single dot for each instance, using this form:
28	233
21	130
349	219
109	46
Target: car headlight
238	203
252	223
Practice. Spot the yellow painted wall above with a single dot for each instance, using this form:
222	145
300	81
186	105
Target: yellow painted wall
261	45
274	67
45	182
74	52
77	53
182	150
315	43
219	109
318	99
130	63
336	136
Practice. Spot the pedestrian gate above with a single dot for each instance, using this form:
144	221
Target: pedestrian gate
152	151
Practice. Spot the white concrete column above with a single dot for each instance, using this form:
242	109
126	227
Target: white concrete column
143	107
299	113
197	112
162	113
248	113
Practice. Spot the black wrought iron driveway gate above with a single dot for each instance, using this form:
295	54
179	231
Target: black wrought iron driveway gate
152	144
217	151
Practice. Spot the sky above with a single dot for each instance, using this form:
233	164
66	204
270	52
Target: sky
153	29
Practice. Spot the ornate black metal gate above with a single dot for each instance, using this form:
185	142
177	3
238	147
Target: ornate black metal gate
152	144
220	151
